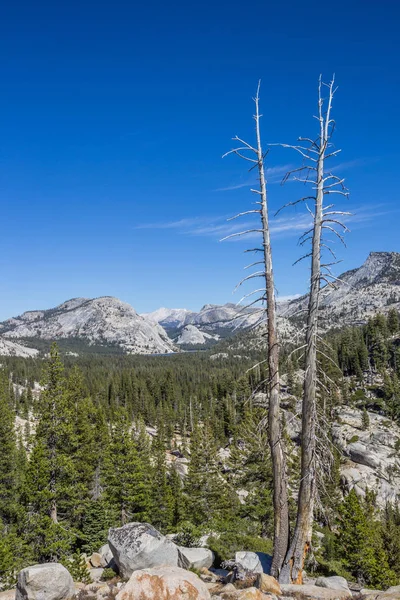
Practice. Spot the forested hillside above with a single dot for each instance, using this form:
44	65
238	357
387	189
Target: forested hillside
181	442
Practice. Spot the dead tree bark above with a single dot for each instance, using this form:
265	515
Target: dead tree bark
323	218
280	493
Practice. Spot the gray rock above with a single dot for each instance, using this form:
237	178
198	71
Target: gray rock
96	573
378	595
333	583
198	558
393	589
359	453
139	546
313	592
249	562
50	581
107	555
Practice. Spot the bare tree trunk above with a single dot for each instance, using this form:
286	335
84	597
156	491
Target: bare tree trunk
53	511
301	542
280	494
53	473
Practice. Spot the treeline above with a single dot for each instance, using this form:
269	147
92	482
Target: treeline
97	448
82	464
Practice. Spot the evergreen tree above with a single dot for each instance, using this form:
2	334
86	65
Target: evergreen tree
391	536
360	543
54	440
125	480
365	420
8	455
50	476
251	472
162	501
393	323
96	521
210	500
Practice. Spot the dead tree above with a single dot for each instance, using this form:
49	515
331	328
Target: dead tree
323	219
256	156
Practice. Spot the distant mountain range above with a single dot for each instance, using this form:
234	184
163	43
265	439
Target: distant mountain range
108	323
357	294
103	321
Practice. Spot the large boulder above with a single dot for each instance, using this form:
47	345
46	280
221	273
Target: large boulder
395	589
333	583
251	593
50	581
249	562
164	583
313	592
245	567
198	558
138	546
378	595
268	584
7	595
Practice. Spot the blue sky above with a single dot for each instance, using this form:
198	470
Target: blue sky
114	118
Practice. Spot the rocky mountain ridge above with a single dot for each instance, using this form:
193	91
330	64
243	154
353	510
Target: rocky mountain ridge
356	294
104	321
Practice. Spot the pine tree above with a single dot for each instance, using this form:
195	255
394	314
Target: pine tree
124	477
8	455
393	323
360	543
391	536
54	436
210	500
78	568
96	520
251	471
162	501
50	477
365	420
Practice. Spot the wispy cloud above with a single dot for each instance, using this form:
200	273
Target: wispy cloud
274	175
220	227
180	224
352	164
285	226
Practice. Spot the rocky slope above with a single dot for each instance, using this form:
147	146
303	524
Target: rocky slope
211	317
104	321
191	335
370	458
9	348
358	294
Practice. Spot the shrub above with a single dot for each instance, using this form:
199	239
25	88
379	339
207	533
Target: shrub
188	536
108	574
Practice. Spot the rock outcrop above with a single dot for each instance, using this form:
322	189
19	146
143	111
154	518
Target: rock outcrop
138	546
333	583
313	592
164	583
49	581
372	459
198	558
104	321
